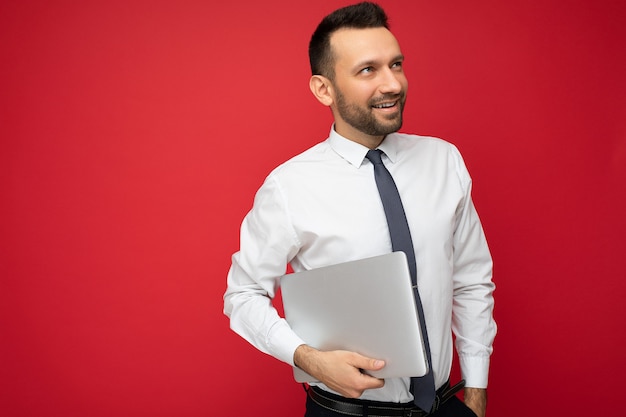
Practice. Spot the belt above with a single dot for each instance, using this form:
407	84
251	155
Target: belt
380	409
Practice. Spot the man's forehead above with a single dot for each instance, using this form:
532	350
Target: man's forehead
353	43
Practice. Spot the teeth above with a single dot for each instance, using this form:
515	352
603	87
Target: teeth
384	105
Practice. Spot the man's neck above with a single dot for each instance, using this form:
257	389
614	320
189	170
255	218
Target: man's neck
369	141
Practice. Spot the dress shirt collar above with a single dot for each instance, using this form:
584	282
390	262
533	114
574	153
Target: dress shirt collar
354	152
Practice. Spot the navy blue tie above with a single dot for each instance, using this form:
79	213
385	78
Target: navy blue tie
423	387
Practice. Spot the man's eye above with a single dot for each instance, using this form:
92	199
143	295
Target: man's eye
397	65
367	70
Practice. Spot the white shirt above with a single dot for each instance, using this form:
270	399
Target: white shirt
322	207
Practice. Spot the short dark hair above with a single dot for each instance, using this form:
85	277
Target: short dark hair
358	16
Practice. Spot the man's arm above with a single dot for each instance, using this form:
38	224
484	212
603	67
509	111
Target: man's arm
341	371
267	243
476	400
473	303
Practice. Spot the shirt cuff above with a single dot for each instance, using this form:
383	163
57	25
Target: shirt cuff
475	371
289	342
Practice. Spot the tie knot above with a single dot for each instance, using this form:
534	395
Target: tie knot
375	156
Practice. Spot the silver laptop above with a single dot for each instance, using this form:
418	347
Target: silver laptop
365	306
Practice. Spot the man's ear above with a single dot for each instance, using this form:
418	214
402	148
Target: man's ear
322	89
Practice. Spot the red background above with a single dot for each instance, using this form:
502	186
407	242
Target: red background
135	133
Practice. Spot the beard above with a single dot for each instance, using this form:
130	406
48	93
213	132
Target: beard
364	119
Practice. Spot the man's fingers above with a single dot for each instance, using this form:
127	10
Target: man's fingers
365	363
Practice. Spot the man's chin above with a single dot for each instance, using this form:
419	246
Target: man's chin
390	126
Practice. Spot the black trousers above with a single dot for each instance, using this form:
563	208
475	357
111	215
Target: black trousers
451	408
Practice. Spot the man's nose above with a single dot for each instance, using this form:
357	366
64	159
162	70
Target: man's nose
391	82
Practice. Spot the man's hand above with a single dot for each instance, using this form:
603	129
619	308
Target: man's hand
339	370
476	399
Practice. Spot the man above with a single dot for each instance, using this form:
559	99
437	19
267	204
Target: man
323	207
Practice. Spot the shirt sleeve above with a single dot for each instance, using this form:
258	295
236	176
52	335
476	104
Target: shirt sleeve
472	309
267	243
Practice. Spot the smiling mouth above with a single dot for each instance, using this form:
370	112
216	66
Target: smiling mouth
385	105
